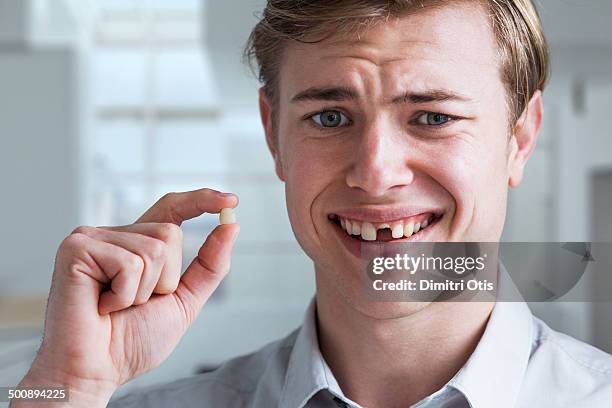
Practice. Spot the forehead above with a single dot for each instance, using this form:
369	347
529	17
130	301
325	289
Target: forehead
450	47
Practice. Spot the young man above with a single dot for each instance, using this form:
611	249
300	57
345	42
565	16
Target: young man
411	113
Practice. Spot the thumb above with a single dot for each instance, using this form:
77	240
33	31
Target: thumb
207	270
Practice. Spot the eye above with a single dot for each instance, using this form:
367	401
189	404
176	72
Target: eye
330	119
433	119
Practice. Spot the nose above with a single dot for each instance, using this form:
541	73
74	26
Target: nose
380	161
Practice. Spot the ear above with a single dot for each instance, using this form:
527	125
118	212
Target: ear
265	111
524	140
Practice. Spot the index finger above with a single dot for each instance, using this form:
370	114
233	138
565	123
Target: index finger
179	207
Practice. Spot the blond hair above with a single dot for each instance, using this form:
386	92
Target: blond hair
523	50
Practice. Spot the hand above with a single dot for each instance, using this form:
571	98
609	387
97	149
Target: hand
118	305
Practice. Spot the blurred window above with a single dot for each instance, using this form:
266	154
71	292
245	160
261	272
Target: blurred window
153	100
158	128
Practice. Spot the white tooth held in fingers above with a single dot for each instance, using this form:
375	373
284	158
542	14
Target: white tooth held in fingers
227	216
356	228
408	230
368	232
417	227
397	231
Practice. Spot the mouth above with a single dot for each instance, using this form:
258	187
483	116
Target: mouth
407	229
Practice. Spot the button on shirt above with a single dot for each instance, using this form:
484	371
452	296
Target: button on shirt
519	362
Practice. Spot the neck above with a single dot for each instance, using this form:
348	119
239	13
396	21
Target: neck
397	360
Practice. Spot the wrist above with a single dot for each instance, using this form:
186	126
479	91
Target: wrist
81	392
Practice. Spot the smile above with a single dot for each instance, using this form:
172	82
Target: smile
386	231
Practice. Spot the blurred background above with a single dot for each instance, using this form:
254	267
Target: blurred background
105	105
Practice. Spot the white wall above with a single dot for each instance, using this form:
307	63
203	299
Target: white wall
576	23
38	164
14	21
602	232
226	29
554	204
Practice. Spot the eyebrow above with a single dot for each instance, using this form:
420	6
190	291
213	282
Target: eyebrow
434	95
325	94
339	94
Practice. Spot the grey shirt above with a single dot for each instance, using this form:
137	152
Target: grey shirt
519	362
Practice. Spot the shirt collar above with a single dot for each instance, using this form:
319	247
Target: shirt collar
493	374
307	371
491	377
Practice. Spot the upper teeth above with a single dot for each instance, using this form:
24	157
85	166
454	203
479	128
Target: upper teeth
402	228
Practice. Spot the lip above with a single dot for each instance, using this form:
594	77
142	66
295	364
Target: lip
354	245
380	214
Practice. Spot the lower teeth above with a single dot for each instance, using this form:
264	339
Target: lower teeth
387	233
386	230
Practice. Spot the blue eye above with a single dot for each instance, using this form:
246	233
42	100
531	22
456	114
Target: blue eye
330	119
433	119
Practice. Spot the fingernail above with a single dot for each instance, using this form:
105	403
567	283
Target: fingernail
226	194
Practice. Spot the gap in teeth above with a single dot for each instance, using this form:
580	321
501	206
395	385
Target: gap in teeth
399	229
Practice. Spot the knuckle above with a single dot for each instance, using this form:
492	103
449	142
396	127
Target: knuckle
73	241
215	270
74	269
169	232
82	229
168	198
166	206
133	262
156	250
71	254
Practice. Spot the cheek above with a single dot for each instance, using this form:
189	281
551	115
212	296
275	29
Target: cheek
456	170
472	172
309	168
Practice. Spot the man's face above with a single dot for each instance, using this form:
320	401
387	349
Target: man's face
407	125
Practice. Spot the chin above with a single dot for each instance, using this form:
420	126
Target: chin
344	281
388	310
